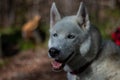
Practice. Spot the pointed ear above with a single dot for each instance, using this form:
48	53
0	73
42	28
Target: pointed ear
54	15
82	17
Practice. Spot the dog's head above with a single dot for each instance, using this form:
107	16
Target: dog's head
67	34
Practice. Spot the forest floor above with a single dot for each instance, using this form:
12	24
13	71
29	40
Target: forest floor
30	65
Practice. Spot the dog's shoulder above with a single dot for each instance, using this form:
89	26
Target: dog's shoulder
108	63
110	48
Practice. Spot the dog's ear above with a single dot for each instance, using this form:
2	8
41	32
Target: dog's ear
54	15
82	17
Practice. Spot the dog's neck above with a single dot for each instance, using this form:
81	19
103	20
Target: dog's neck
75	63
90	47
85	55
79	59
79	65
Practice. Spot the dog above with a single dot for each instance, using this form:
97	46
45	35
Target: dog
76	46
30	26
31	31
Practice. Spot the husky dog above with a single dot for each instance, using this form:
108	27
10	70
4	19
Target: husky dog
77	47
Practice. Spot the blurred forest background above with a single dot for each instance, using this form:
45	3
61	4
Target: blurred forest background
24	34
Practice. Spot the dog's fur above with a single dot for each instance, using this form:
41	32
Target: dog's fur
75	35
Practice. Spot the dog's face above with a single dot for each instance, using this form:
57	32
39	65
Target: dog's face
66	35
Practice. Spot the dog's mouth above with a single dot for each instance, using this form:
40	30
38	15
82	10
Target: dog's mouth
58	65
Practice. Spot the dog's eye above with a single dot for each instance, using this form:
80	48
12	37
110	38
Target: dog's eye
70	36
55	35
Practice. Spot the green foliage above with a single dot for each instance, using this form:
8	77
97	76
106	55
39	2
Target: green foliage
9	30
103	27
115	13
109	23
25	45
3	62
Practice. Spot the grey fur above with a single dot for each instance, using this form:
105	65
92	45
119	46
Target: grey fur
86	44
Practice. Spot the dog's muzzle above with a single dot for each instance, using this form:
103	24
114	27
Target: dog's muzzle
57	64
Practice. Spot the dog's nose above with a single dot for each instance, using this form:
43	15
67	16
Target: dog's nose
54	52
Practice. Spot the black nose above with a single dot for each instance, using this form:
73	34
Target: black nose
54	52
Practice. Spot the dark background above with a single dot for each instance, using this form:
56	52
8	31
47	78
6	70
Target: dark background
22	59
